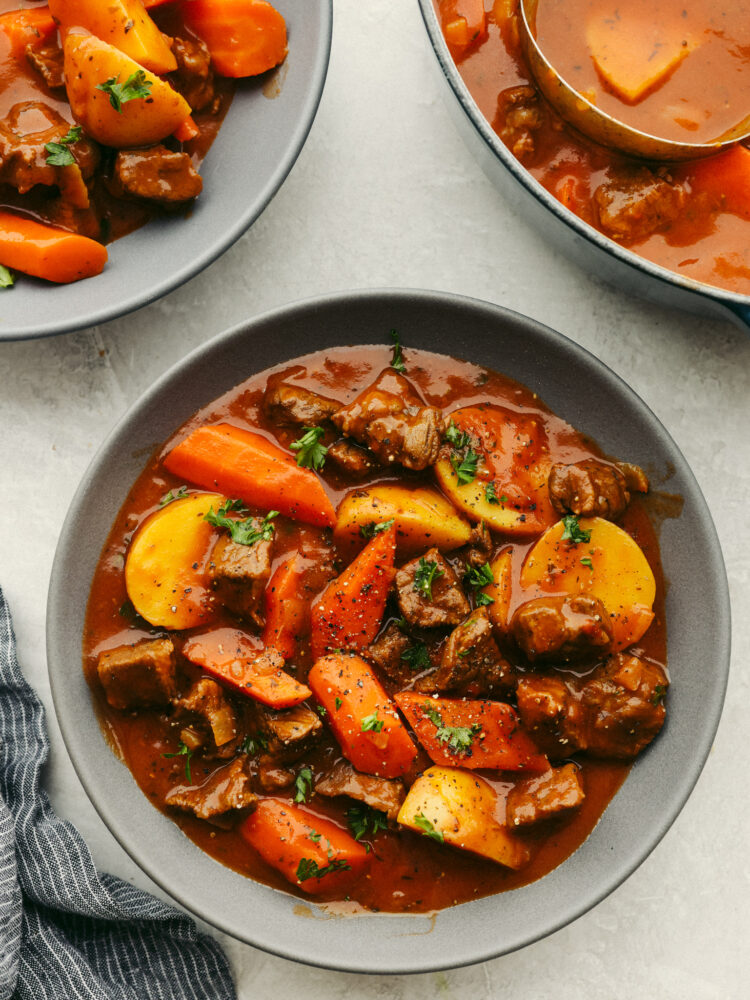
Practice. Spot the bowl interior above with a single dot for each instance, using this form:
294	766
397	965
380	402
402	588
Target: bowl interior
259	141
577	387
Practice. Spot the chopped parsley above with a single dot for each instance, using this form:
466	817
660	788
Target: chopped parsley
183	750
427	827
243	532
660	692
477	577
365	821
338	703
7	279
371	723
308	868
314	836
573	531
58	154
459	439
254	745
417	657
303	785
321	710
371	529
397	361
173	495
310	452
490	494
427	572
465	467
586	561
135	86
458	738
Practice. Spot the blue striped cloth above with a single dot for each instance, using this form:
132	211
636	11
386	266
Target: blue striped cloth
67	931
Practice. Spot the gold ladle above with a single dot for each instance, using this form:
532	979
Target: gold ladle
597	124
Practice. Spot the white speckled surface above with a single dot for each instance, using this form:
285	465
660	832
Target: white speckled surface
385	194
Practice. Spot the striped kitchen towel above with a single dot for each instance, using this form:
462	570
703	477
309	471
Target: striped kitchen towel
67	931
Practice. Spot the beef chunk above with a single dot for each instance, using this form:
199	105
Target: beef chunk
47	60
471	662
562	629
554	793
139	675
391	419
287	403
193	78
387	655
613	712
479	549
272	775
636	479
290	733
444	604
30	125
592	488
522	114
637	202
226	791
353	461
239	574
156	174
380	793
208	701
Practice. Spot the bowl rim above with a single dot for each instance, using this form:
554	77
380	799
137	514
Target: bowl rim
354	960
736	301
305	118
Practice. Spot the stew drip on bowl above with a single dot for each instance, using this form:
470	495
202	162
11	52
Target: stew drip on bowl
406	870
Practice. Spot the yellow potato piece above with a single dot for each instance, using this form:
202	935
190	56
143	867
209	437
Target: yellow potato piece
500	589
634	55
619	574
165	569
141	121
463	808
424	518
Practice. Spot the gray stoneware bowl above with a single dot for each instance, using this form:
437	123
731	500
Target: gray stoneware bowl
578	388
564	230
259	141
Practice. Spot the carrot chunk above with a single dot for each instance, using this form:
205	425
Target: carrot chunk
287	610
245	37
26	27
48	252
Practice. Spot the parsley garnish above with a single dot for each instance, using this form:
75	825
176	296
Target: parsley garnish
371	529
397	361
573	530
338	703
310	452
254	745
7	279
660	692
459	439
477	577
426	827
242	532
458	738
365	821
303	785
417	656
465	467
181	493
183	750
587	562
490	494
58	154
134	87
314	836
372	723
426	574
308	868
321	710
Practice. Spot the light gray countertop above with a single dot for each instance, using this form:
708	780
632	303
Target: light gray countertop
385	194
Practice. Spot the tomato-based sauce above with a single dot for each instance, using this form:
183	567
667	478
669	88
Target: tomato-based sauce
692	218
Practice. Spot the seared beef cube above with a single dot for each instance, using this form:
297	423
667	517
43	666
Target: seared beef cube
140	675
636	479
562	629
193	78
272	776
156	174
613	712
287	403
208	700
554	793
353	461
522	114
239	574
637	202
471	661
479	549
47	60
589	489
291	728
391	419
226	791
387	653
381	793
441	603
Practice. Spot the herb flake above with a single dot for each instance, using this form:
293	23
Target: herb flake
58	154
426	574
364	821
397	361
243	532
308	868
311	454
136	86
7	278
183	750
371	723
303	785
428	828
371	529
573	531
